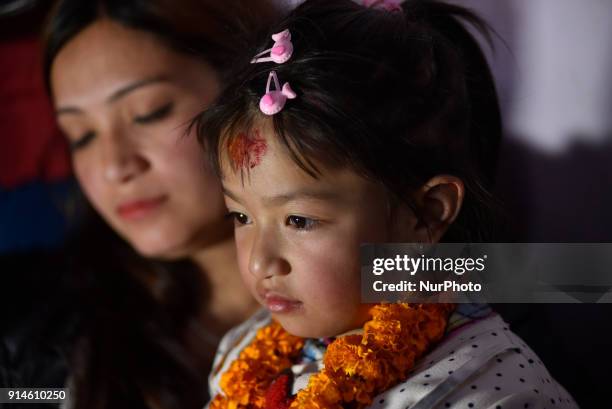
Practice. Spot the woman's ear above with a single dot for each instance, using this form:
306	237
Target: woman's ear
436	206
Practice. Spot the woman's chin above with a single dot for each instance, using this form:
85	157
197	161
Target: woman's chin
159	249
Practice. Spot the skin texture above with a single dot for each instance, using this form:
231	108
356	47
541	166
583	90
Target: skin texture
298	237
124	101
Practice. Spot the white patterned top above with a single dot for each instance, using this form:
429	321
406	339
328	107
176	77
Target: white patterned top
479	364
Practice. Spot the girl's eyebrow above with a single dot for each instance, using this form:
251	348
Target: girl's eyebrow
324	195
231	195
281	198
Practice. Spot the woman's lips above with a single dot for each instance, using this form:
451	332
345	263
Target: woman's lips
279	304
138	209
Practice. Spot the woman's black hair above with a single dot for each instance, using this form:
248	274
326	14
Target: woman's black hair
140	343
211	30
133	346
398	96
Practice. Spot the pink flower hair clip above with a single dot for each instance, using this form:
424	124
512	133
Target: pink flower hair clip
274	101
281	49
389	5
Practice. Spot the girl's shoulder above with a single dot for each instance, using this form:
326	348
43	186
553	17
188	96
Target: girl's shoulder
232	343
481	364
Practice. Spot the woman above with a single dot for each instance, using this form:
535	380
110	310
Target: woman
158	275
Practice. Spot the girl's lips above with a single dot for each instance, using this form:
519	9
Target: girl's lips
278	304
140	208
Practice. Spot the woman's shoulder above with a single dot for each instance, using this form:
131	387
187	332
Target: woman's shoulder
481	364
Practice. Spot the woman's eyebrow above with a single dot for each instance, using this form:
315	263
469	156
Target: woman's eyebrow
121	92
117	95
68	110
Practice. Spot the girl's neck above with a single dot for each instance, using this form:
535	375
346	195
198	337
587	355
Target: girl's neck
228	302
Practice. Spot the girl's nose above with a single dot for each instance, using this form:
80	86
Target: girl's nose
266	259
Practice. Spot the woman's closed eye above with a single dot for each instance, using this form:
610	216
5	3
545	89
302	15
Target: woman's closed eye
240	219
155	115
82	141
301	222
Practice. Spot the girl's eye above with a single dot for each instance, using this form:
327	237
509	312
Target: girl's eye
156	115
82	141
301	222
239	218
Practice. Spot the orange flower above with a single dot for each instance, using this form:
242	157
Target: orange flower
356	367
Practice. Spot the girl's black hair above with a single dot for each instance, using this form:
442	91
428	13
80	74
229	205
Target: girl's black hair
138	342
398	96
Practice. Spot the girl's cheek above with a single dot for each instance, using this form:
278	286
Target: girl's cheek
243	253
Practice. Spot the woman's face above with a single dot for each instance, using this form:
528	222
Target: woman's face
124	100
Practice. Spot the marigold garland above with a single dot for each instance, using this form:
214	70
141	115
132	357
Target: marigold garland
356	367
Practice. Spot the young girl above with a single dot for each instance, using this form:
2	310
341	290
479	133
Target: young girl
362	125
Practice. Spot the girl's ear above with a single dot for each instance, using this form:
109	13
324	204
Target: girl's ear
436	206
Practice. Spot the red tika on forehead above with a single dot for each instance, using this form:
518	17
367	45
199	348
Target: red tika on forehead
245	151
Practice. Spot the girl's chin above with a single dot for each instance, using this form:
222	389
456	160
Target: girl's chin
298	328
306	326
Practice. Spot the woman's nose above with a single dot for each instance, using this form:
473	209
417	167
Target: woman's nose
266	259
121	159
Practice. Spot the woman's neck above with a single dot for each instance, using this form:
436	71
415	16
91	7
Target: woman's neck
229	301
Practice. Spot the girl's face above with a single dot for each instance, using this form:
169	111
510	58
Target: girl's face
124	100
298	237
